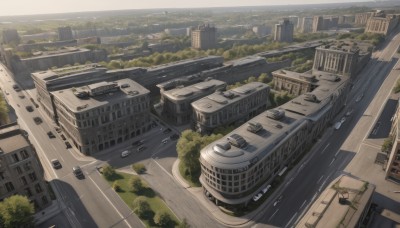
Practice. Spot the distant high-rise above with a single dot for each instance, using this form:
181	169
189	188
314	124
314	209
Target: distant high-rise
294	20
362	18
10	35
284	31
261	30
318	23
204	37
306	25
381	23
65	33
324	23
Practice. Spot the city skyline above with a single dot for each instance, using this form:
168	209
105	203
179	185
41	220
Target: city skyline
26	7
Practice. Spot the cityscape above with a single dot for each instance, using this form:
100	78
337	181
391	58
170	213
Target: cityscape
228	114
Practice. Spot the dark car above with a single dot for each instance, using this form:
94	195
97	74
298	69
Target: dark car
138	143
63	137
16	88
174	137
77	171
68	145
29	108
56	164
37	120
166	131
51	135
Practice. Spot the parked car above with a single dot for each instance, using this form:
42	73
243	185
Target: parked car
165	140
166	131
141	148
37	120
56	164
51	135
257	197
63	137
77	171
68	145
16	88
29	108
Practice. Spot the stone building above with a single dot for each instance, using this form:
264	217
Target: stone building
101	115
235	105
20	169
362	18
393	164
175	103
294	83
294	20
65	33
204	37
306	25
321	23
237	167
284	31
346	19
337	59
335	205
382	24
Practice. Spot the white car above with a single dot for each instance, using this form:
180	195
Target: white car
343	119
266	189
257	197
125	153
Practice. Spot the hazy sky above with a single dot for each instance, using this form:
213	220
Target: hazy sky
21	7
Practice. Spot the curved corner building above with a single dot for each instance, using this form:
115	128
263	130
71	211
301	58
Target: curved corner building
238	166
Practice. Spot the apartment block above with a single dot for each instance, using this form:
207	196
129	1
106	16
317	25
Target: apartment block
284	31
204	37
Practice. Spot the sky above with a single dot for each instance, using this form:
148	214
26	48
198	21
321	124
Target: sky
25	7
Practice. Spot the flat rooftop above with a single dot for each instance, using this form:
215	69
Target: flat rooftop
67	71
126	89
64	51
12	143
306	76
219	100
192	91
327	211
187	61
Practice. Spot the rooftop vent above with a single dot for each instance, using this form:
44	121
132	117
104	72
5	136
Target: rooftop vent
228	94
254	127
222	147
276	114
237	141
311	97
279	126
133	92
125	85
81	94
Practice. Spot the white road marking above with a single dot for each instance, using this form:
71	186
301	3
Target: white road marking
320	179
273	215
304	203
290	221
337	153
323	151
331	162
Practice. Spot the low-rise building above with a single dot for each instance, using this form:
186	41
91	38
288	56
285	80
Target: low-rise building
294	83
393	165
235	105
101	115
20	169
238	166
175	103
344	203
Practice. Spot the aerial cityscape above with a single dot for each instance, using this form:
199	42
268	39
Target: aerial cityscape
183	114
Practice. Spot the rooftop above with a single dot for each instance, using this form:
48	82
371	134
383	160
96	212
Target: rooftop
12	143
63	51
328	211
101	94
219	100
294	75
66	71
193	90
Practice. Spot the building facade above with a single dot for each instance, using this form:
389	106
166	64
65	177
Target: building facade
336	59
362	18
65	33
284	31
382	24
20	169
294	83
393	165
204	37
335	205
224	108
176	103
104	114
306	25
238	166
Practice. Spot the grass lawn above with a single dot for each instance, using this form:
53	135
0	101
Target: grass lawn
155	202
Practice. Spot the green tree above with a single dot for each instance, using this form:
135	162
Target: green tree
263	78
141	207
16	211
162	219
136	184
396	88
3	110
139	168
108	172
116	186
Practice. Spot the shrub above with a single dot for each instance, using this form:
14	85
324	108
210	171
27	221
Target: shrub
162	219
116	186
139	168
108	172
141	207
135	184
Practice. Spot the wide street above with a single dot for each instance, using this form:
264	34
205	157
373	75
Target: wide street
336	148
89	202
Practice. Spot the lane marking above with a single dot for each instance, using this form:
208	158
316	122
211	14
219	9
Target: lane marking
273	215
320	179
323	151
304	203
290	221
331	162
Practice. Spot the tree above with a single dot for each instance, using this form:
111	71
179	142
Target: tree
3	110
162	219
141	207
184	224
136	184
16	211
116	186
139	168
108	172
263	78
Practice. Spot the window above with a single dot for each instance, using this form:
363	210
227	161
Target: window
38	188
18	170
9	186
32	176
24	154
44	200
27	166
23	181
15	157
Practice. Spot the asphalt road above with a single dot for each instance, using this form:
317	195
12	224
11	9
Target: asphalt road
328	158
89	202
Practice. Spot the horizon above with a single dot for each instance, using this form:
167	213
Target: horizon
40	7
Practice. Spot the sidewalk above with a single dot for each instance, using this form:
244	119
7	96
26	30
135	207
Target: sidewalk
47	213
